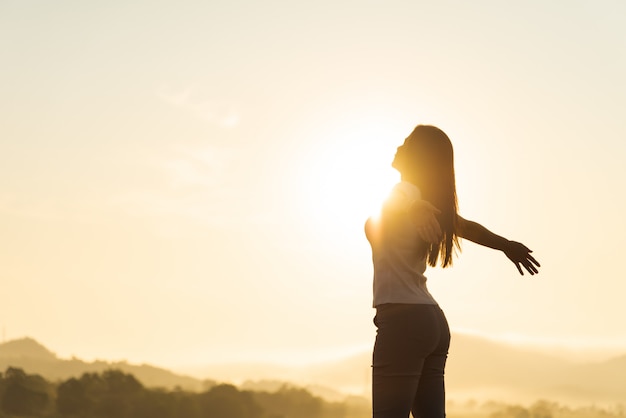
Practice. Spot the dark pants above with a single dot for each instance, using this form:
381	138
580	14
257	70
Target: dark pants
410	354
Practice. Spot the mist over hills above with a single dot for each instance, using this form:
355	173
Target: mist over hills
33	357
477	369
482	368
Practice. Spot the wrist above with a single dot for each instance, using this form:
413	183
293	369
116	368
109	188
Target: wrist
505	245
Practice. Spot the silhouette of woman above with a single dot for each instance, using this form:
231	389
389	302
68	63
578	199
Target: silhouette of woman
418	226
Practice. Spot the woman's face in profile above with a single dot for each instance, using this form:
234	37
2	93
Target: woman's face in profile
404	154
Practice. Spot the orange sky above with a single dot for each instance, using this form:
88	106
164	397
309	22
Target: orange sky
187	183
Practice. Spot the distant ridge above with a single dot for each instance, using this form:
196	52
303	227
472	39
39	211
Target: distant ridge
33	357
25	348
478	368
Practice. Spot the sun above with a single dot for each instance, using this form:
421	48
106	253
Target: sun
347	176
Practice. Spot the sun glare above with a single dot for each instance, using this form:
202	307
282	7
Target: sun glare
348	176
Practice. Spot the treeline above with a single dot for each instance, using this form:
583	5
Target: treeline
116	394
546	409
539	409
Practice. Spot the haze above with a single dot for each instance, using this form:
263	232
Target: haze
186	183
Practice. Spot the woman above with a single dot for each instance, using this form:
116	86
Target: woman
419	225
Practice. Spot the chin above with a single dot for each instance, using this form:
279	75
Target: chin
395	163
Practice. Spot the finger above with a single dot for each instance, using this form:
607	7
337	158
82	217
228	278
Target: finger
436	228
531	258
430	233
519	269
528	263
530	268
436	231
431	207
423	233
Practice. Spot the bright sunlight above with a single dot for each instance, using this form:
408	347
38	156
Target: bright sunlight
348	175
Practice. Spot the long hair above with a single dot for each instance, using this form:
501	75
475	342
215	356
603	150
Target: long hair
430	164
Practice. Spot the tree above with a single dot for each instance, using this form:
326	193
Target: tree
27	395
111	394
543	409
290	402
225	401
72	398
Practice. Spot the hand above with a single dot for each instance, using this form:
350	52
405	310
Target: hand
519	254
422	214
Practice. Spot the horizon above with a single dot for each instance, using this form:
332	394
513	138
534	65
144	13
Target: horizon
524	376
581	351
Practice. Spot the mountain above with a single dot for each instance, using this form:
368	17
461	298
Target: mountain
32	357
25	348
478	368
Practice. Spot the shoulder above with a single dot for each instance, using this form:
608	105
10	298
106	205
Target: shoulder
407	189
402	196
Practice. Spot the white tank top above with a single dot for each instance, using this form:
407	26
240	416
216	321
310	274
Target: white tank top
397	251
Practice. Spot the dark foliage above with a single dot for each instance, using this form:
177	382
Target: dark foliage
24	395
115	394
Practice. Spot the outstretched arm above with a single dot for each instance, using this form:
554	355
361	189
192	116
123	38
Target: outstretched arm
517	252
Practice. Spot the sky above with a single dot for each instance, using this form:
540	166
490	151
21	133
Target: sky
187	182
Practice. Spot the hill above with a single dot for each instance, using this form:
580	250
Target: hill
477	369
31	356
481	368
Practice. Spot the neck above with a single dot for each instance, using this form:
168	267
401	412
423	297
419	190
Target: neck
408	179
